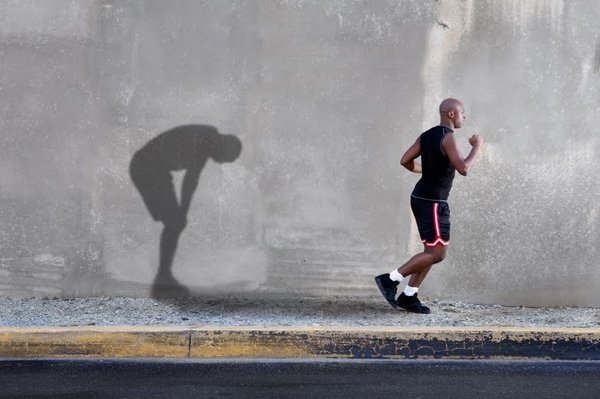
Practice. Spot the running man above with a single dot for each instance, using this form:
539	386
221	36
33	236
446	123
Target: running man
440	158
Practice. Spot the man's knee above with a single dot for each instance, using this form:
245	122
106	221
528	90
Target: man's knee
442	254
438	253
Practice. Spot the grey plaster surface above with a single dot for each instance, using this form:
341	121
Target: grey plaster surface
290	311
324	97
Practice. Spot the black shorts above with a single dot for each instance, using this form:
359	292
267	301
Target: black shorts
433	221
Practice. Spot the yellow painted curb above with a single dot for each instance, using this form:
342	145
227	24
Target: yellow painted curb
94	342
297	342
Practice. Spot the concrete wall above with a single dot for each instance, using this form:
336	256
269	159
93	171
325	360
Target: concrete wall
324	98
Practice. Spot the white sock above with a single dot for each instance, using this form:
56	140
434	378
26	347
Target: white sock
395	276
410	291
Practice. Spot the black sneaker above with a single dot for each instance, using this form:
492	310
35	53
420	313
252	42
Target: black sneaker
412	304
388	288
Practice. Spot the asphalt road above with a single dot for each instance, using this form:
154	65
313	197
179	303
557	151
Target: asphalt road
297	379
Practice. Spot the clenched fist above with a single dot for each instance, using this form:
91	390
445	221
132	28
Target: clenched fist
475	140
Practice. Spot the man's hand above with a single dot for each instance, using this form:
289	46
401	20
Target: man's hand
476	140
408	159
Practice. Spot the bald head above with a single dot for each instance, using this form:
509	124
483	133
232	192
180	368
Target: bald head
452	113
450	104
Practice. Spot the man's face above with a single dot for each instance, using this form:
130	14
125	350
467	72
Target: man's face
459	116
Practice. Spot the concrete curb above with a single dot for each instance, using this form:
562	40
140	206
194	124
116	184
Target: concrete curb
301	342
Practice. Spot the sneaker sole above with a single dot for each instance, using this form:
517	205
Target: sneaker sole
413	309
382	289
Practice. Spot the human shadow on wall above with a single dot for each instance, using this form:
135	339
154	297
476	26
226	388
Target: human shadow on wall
186	148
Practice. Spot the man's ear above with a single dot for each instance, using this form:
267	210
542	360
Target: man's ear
451	114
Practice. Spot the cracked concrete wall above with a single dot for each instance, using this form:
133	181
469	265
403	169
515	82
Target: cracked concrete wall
324	98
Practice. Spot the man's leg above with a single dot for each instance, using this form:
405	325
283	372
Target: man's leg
408	299
433	222
422	262
417	267
417	279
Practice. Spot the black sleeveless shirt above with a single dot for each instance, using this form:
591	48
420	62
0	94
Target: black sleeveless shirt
437	171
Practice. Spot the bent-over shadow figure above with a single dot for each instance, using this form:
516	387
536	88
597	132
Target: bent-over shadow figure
181	148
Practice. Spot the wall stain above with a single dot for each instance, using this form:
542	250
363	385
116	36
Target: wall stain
442	24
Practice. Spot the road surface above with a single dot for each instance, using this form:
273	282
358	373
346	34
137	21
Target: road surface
142	378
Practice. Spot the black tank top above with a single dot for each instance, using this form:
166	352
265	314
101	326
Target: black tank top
437	171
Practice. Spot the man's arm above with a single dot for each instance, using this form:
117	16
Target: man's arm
461	165
408	159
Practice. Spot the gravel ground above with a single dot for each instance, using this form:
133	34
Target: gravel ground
244	311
